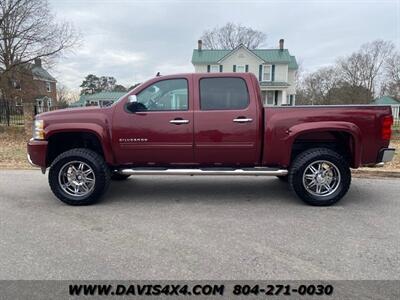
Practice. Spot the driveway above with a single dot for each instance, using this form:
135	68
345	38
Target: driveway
198	228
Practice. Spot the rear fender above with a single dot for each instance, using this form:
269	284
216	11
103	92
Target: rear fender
334	126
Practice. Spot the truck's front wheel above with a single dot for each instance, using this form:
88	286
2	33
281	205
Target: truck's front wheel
320	176
79	177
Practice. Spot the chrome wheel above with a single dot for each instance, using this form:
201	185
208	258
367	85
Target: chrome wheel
77	178
321	178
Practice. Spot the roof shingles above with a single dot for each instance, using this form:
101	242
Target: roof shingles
208	56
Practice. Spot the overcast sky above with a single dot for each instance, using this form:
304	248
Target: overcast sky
132	40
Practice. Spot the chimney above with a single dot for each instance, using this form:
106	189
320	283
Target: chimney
281	42
38	62
199	45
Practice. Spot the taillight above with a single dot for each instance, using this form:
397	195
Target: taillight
386	132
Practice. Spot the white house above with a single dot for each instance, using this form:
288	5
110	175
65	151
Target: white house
274	68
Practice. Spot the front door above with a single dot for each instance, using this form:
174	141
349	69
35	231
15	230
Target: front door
226	123
161	131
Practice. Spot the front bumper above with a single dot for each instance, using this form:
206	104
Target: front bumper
386	155
37	151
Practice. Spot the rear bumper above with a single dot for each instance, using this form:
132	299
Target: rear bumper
386	155
37	151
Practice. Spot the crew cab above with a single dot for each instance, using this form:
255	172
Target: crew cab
208	124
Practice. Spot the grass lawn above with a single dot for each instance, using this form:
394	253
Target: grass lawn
13	150
13	147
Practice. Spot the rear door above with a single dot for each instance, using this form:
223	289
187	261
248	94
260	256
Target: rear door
227	125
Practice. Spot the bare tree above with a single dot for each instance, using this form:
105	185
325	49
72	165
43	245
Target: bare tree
29	30
364	67
232	35
66	96
316	87
391	85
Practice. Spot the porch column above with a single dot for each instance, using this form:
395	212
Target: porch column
284	98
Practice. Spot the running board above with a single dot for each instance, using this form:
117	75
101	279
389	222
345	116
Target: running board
205	171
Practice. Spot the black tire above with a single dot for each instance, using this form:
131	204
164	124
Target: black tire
94	161
303	160
119	177
284	178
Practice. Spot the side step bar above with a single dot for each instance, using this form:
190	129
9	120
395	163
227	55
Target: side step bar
207	171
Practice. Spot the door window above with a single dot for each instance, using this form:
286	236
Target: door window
223	94
169	94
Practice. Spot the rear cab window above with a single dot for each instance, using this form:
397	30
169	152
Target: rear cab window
223	93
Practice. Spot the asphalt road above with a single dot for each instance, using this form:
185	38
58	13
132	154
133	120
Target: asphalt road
198	228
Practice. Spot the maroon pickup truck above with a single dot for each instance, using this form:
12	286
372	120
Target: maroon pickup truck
208	124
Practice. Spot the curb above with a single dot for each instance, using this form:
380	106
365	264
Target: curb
375	173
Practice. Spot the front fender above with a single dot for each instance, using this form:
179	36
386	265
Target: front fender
338	126
98	130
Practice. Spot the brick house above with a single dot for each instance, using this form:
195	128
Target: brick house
33	84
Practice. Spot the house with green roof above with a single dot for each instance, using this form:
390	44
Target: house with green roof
385	100
274	68
98	99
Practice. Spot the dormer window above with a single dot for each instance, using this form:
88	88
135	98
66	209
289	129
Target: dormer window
214	68
48	86
267	73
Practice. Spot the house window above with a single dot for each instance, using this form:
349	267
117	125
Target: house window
18	102
270	98
240	68
48	86
266	74
290	102
16	84
214	69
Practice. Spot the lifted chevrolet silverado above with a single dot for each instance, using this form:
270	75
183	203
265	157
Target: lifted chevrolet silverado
208	124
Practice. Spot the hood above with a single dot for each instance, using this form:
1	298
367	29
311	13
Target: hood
70	111
85	115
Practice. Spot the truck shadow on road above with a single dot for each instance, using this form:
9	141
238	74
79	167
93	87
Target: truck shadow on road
223	190
204	189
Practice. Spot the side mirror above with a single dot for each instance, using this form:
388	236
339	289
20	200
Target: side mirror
134	106
132	99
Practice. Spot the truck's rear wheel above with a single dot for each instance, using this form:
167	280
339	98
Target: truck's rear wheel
79	177
320	176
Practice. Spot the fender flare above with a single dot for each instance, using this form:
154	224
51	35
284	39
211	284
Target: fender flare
338	126
99	131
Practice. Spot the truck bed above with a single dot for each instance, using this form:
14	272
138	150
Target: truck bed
282	125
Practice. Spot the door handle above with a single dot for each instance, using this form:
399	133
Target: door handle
179	121
242	120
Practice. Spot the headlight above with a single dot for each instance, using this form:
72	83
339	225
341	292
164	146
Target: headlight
38	131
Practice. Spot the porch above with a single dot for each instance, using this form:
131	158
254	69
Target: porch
277	97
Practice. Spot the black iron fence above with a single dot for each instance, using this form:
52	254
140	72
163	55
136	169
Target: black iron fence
12	114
